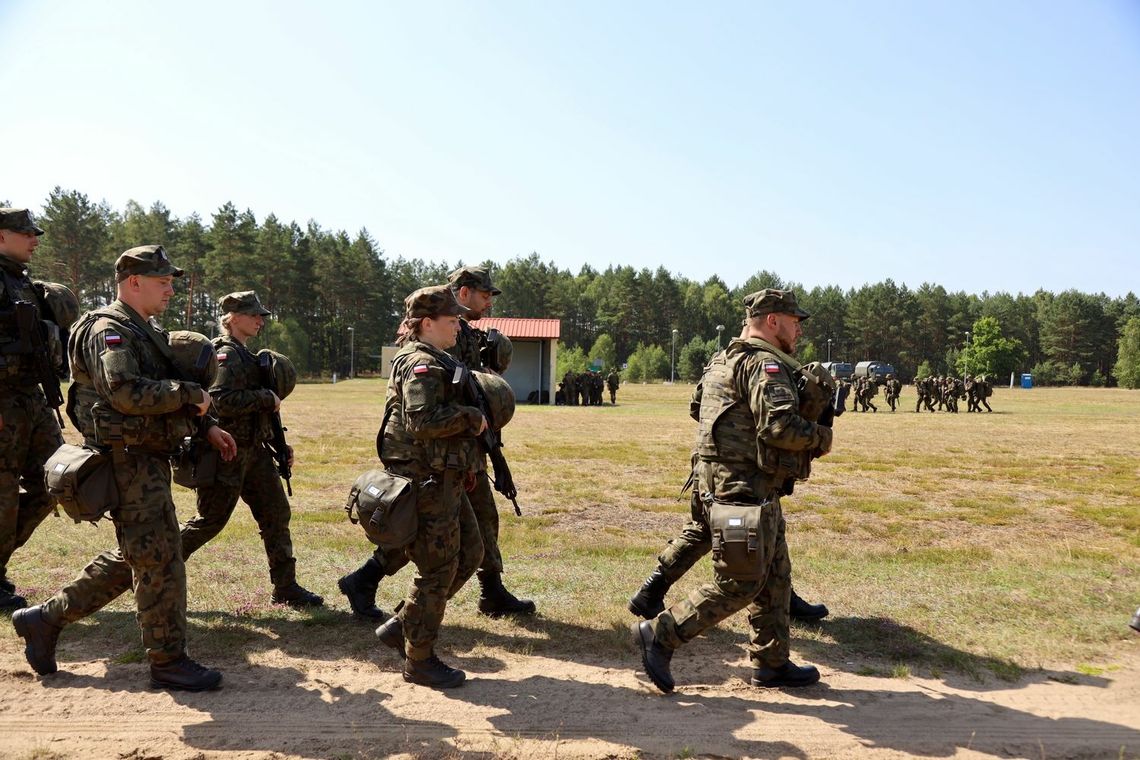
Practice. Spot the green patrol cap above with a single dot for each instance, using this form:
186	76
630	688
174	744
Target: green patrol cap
773	301
19	220
473	277
244	302
433	302
146	260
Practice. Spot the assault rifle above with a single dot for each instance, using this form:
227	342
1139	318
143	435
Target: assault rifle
277	445
34	343
489	440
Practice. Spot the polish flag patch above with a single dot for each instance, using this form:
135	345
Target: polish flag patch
223	356
772	368
420	369
112	339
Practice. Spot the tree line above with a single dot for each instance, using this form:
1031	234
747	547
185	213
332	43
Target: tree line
338	298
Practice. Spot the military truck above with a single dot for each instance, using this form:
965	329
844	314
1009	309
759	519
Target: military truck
840	370
875	370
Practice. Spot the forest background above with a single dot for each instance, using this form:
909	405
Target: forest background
337	299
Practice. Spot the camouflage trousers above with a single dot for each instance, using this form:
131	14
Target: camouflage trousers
30	434
766	598
252	477
446	552
149	560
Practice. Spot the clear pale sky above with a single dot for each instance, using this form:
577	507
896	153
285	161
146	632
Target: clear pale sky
977	145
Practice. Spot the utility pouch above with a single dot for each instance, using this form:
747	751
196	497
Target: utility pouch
82	480
196	465
738	540
385	506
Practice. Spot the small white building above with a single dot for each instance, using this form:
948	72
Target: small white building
534	361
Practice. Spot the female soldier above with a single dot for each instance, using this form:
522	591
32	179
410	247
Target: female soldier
430	438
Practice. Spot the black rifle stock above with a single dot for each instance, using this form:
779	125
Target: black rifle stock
489	440
277	445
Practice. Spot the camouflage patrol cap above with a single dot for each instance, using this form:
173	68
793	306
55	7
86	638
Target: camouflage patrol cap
434	301
244	302
473	277
19	220
773	301
146	260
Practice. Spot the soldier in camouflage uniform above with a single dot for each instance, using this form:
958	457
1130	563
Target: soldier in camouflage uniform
430	437
751	443
613	382
244	404
892	388
29	430
126	402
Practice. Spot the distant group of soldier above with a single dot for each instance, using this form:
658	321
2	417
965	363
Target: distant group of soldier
586	388
942	393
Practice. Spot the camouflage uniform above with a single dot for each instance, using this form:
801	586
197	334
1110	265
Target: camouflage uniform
892	388
125	400
613	381
244	405
430	439
30	433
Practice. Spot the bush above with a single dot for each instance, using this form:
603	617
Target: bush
693	357
571	359
648	363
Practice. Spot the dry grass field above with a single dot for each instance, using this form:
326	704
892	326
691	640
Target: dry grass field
994	554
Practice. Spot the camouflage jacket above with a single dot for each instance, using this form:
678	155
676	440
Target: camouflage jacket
469	345
428	429
243	402
16	369
125	388
750	426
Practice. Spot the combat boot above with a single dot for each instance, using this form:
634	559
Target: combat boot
494	599
360	588
655	657
39	637
432	672
787	674
649	601
10	601
7	585
800	610
297	596
391	634
185	675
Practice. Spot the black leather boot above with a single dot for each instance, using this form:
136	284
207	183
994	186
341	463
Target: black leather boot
40	638
432	672
655	658
297	596
787	674
185	675
494	599
10	601
649	601
391	634
360	588
800	610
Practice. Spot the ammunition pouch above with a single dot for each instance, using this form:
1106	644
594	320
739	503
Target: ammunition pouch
385	506
742	538
82	481
196	464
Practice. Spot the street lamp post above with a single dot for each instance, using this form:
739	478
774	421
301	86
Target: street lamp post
719	332
829	350
673	356
351	351
211	324
967	363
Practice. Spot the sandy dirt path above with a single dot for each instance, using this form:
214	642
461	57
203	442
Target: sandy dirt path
283	706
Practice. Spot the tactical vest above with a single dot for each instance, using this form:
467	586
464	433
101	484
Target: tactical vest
20	312
244	373
101	424
399	446
469	346
727	430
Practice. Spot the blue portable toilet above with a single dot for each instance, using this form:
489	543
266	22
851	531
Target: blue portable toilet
1026	380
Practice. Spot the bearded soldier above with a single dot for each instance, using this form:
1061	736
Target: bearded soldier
34	320
130	401
752	444
245	400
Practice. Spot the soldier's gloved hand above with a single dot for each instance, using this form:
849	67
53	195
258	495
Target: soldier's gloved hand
824	441
223	442
204	404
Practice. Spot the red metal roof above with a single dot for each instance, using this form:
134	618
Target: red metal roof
520	327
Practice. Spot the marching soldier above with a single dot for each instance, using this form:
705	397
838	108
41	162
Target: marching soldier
127	402
34	320
613	381
245	399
